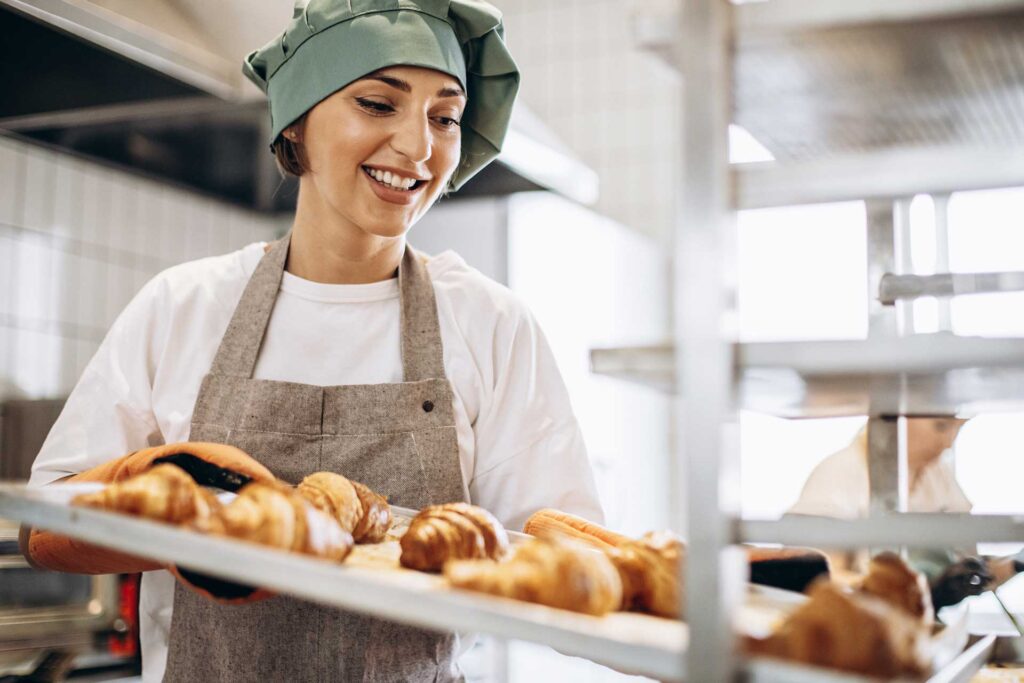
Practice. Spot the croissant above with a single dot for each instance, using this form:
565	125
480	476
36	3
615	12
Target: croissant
274	515
892	580
849	630
649	571
164	493
361	512
453	531
548	571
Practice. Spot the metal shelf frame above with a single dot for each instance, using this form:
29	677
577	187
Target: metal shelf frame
768	66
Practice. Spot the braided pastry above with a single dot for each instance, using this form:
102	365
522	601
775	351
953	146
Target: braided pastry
454	531
548	571
361	512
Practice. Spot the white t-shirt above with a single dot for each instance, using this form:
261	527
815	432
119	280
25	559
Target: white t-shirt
838	487
520	446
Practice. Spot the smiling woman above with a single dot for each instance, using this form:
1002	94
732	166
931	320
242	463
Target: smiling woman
339	347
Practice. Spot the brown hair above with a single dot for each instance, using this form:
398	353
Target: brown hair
290	156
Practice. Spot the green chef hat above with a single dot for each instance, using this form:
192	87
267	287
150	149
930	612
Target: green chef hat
331	43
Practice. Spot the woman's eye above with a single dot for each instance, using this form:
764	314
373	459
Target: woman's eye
374	106
447	121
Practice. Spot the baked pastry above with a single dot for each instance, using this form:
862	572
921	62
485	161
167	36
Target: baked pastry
892	580
849	630
275	515
548	571
649	571
165	493
453	531
549	522
357	509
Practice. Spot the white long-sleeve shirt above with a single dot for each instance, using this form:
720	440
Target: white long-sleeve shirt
520	446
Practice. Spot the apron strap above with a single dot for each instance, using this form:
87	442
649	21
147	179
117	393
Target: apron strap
240	346
422	351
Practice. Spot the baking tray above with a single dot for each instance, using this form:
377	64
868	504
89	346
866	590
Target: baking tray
372	582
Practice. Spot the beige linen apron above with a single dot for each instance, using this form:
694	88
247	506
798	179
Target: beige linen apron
399	439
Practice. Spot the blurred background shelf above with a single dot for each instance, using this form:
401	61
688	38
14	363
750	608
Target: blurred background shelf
872	99
938	374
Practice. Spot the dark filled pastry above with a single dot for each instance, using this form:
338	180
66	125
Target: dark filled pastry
453	531
548	571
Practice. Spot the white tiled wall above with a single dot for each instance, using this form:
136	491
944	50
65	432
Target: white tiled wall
617	107
77	241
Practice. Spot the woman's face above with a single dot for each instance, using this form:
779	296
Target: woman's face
381	150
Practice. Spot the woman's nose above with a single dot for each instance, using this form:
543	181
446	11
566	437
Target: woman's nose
411	138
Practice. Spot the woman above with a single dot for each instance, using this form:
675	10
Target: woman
338	347
839	487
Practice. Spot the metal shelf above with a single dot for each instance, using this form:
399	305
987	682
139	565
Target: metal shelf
909	529
872	99
922	375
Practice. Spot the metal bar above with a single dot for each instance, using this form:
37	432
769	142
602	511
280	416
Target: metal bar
920	530
889	173
900	287
881	259
941	203
701	297
904	264
887	471
175	107
349	587
963	668
138	43
800	15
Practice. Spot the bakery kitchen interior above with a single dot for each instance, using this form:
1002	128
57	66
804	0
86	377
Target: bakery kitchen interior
512	340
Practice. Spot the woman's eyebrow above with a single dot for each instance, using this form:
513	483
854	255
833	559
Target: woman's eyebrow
399	84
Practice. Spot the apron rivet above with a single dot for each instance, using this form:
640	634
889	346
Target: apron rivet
428	406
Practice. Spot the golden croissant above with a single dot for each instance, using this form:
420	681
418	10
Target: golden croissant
453	531
849	630
275	515
548	571
357	509
649	569
892	580
164	493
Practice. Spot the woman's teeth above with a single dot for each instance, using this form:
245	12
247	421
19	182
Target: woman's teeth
392	180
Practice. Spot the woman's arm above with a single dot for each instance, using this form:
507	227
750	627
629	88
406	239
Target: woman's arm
529	449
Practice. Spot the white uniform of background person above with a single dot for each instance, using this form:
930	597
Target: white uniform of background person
838	486
519	443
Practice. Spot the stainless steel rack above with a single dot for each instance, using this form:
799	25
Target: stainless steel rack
876	100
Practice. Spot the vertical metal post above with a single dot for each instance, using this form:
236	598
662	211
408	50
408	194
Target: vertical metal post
887	462
941	202
881	260
904	263
887	473
714	572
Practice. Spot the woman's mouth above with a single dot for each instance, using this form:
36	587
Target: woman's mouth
393	181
